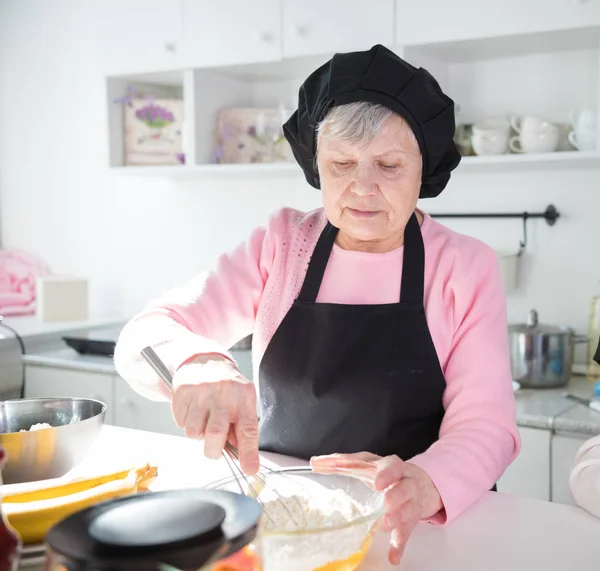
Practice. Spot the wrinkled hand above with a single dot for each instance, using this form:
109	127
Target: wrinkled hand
213	401
410	495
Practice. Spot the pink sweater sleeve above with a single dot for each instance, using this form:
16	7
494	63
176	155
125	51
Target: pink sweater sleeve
478	436
207	315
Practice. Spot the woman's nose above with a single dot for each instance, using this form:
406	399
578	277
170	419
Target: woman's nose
365	181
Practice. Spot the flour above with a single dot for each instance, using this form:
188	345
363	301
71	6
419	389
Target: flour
38	426
301	512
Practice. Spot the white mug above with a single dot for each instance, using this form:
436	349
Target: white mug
584	120
490	137
534	142
583	140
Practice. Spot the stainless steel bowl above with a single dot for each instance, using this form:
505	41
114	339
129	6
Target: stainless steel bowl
49	452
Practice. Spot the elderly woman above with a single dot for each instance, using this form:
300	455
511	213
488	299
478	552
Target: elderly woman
585	476
379	335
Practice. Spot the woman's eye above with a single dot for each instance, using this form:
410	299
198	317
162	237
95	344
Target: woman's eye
341	164
388	167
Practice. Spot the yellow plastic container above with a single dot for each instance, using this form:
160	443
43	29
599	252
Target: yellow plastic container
593	369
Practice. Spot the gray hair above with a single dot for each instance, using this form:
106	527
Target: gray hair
357	123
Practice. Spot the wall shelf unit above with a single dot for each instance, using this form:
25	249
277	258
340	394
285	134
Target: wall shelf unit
540	58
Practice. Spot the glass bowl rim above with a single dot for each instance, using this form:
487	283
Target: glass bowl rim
373	515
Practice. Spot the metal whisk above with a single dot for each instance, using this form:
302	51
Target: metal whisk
230	454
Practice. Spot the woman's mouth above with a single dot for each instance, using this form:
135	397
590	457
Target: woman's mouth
363	213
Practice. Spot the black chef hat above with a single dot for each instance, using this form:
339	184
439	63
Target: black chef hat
380	76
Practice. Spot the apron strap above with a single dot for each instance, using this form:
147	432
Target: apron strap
413	265
317	264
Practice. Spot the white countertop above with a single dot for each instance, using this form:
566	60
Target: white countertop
500	533
30	325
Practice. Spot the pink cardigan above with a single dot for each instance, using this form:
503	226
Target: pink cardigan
252	288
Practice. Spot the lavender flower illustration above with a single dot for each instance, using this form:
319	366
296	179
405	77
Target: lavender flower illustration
155	116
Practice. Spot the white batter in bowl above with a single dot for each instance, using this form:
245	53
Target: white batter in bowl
314	522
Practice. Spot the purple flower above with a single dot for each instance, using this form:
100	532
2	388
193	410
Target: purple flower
181	158
252	131
154	115
217	154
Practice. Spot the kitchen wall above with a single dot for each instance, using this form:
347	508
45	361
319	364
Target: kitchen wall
135	237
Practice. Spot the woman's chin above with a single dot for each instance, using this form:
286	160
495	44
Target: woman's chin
364	233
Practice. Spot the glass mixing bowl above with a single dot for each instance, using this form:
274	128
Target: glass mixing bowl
300	543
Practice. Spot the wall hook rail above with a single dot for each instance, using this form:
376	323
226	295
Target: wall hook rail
550	215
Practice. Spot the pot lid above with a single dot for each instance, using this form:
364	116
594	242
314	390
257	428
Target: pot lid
180	528
532	325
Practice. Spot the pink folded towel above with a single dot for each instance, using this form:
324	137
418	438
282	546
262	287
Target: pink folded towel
18	273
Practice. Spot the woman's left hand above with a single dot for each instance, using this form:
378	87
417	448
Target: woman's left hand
410	495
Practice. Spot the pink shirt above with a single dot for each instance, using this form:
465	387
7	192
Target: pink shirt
253	287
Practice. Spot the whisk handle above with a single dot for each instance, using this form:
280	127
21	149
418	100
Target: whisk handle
159	367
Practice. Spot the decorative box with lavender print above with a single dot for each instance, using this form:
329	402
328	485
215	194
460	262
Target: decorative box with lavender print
153	132
251	135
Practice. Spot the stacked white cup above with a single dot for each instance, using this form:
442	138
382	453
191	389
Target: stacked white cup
535	135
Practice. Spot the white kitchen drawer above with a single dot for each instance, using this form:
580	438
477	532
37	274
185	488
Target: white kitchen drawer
317	27
243	360
529	474
135	411
438	21
48	382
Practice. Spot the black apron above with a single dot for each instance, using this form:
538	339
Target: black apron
349	378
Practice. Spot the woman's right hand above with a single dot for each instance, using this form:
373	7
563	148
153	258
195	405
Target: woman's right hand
213	401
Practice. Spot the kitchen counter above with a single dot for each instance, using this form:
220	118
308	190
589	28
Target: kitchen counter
38	338
540	408
35	332
68	358
500	533
548	409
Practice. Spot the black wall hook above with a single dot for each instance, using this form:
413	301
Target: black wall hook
550	215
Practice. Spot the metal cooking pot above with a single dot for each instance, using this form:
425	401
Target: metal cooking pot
541	356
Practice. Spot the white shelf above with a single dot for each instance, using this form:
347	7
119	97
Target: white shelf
197	171
506	163
513	162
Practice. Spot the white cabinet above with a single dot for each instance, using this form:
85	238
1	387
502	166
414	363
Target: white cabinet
437	21
529	474
317	27
135	411
231	32
47	382
243	360
564	448
138	36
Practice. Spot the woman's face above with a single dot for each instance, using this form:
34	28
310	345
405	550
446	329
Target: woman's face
370	192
